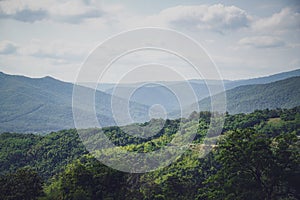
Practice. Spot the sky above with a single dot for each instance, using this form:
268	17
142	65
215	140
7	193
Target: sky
54	38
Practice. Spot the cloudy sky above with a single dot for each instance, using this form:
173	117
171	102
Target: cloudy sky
54	37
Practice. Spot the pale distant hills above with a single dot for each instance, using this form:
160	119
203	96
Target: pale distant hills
248	98
45	104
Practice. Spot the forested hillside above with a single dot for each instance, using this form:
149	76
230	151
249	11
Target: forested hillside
162	92
248	98
149	100
256	157
263	80
45	104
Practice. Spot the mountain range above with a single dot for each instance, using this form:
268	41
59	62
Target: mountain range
248	98
45	104
173	93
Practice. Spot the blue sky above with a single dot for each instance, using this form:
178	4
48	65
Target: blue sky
54	37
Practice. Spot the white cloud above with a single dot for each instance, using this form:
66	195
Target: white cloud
286	20
262	42
68	30
26	11
36	67
74	11
58	50
8	47
215	17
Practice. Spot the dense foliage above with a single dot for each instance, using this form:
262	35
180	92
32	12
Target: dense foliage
25	184
47	154
256	157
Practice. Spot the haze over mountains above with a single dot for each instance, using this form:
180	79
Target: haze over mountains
164	92
108	87
45	104
248	98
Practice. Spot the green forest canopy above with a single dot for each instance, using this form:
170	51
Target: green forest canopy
256	157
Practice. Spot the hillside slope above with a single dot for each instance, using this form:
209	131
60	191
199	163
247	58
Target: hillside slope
263	80
167	93
45	104
245	99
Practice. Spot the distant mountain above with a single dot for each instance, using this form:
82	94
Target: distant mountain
263	80
45	104
244	99
166	93
171	94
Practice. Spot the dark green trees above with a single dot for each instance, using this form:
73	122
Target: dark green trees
87	178
257	157
253	166
24	184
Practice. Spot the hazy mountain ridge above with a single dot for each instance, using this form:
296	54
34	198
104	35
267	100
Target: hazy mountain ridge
264	79
162	92
45	104
247	98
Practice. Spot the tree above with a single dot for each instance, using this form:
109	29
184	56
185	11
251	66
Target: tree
253	166
24	184
87	178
